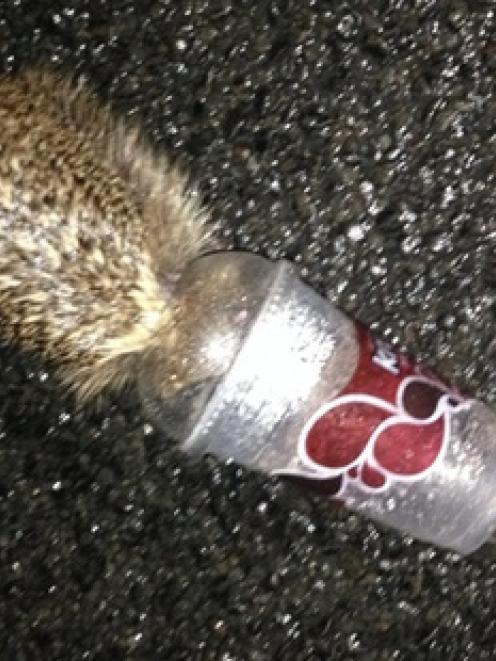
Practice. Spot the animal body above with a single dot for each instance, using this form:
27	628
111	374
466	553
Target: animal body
95	229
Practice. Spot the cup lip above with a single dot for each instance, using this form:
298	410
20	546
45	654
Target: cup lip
191	444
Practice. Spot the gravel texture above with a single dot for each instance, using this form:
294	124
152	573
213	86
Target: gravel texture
358	140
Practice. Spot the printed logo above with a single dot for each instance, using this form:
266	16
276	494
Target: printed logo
391	423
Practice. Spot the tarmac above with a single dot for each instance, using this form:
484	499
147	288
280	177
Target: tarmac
356	139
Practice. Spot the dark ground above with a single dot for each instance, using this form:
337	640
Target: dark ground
359	142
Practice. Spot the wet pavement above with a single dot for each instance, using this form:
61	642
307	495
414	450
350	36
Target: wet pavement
358	141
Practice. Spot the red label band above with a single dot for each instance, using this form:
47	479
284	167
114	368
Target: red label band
390	423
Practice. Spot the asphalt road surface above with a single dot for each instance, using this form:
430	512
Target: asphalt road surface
357	139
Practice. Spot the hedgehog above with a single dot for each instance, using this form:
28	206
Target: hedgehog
96	227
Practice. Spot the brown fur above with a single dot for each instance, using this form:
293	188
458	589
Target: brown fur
94	229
